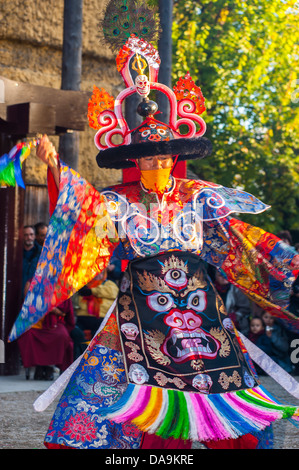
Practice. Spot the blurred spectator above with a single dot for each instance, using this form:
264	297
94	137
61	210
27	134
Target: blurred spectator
275	342
114	270
31	254
48	343
258	336
239	309
80	341
40	232
237	305
94	301
285	236
220	282
256	330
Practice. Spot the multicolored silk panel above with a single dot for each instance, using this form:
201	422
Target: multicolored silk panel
79	243
262	266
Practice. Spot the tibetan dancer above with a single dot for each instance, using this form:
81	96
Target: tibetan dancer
167	366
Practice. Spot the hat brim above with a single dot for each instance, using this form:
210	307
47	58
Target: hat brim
122	156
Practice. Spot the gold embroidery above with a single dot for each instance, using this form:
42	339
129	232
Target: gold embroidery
224	380
134	355
126	314
154	339
197	364
174	263
222	337
196	282
162	380
149	282
220	305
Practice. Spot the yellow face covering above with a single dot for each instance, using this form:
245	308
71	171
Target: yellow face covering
155	180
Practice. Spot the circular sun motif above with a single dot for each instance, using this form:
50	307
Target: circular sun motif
93	361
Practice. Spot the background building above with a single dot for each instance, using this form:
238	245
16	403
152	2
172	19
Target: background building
31	40
31	44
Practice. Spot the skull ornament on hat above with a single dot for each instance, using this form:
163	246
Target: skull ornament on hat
141	82
142	85
130	27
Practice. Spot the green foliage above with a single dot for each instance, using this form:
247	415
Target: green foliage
244	56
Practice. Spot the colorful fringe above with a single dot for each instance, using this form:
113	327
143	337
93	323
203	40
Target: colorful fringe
78	246
195	416
11	164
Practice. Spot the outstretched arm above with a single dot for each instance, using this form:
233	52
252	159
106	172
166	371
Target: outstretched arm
46	153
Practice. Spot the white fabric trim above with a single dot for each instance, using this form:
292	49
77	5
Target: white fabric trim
280	376
44	400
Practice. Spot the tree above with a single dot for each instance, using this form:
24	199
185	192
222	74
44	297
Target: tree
244	55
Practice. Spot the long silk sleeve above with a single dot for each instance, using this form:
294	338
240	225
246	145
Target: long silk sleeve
80	240
256	261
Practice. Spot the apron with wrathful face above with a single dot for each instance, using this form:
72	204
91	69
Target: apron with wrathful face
175	332
188	373
168	360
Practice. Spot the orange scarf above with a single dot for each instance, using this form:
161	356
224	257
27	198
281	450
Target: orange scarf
155	180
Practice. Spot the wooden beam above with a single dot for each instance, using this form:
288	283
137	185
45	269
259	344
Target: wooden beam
31	118
70	106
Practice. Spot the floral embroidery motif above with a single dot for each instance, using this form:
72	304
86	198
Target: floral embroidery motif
80	428
95	384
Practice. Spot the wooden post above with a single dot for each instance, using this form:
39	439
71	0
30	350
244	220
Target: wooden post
11	254
25	110
71	73
165	52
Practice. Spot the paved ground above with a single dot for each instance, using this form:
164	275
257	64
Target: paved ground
23	428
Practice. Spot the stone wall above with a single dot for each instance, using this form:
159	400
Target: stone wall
31	36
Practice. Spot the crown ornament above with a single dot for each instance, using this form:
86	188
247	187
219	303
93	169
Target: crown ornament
132	25
186	99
